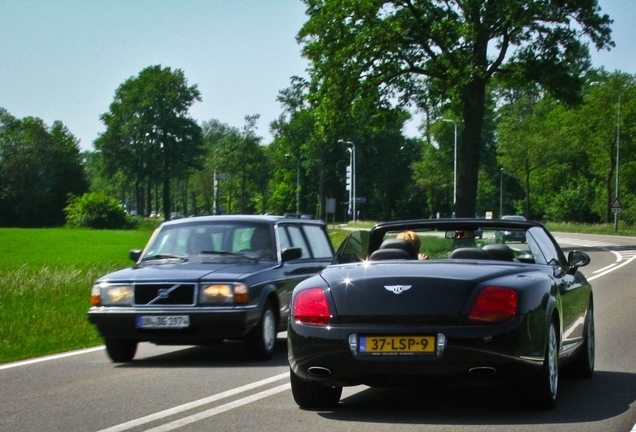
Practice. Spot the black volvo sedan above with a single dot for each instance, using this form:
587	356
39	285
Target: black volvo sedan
205	279
424	300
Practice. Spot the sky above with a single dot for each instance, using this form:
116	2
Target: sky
64	59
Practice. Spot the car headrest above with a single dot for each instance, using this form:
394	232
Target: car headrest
499	252
470	253
405	245
390	254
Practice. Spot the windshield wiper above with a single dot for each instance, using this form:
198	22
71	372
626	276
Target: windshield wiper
227	253
163	256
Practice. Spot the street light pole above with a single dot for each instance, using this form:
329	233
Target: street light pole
618	147
618	142
216	185
454	160
352	163
500	192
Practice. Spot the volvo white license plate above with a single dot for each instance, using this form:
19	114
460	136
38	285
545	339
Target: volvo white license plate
162	321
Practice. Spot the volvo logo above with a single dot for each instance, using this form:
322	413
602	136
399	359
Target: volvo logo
163	293
397	289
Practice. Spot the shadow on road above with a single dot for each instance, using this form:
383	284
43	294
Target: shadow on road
230	353
606	395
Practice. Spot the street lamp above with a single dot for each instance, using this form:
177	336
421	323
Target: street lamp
500	192
618	142
454	160
216	185
352	164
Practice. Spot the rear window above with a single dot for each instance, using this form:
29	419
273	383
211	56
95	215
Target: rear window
518	218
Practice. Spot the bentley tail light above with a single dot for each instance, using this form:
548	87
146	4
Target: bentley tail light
494	304
311	307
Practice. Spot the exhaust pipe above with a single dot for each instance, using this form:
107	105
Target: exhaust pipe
482	371
319	371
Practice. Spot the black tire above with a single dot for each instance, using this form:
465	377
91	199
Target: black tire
311	395
121	350
261	340
542	392
583	365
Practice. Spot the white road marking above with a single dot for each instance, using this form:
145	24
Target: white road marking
220	409
185	407
50	357
612	268
601	270
628	256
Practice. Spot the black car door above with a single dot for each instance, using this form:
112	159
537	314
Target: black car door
573	289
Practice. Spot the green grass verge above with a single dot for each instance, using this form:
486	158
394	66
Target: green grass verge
604	229
45	281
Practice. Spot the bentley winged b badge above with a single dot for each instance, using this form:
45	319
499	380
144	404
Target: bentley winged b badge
397	289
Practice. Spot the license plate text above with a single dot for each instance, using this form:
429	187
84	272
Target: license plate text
397	344
165	321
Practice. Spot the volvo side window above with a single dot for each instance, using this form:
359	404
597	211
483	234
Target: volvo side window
318	241
298	240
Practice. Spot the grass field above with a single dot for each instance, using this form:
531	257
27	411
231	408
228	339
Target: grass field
46	276
45	280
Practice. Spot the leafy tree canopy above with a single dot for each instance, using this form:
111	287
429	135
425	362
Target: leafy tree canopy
149	136
451	49
39	167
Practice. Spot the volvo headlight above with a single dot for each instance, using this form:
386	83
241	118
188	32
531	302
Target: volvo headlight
111	295
223	294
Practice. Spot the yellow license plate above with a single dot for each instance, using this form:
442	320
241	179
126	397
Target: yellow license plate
397	344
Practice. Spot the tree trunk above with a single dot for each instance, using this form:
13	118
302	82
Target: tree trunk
139	196
149	197
527	187
474	97
608	188
321	189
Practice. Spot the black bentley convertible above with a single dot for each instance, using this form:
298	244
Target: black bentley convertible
467	310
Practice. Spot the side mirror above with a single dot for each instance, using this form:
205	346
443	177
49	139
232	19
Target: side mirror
290	254
578	259
134	254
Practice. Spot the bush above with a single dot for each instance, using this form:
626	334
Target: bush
95	210
572	205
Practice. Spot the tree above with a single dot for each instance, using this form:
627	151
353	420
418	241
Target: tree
598	123
453	48
237	159
531	146
149	136
39	167
293	131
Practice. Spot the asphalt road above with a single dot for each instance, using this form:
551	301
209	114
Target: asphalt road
219	389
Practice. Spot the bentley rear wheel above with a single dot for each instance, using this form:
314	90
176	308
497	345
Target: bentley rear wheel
542	392
312	395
